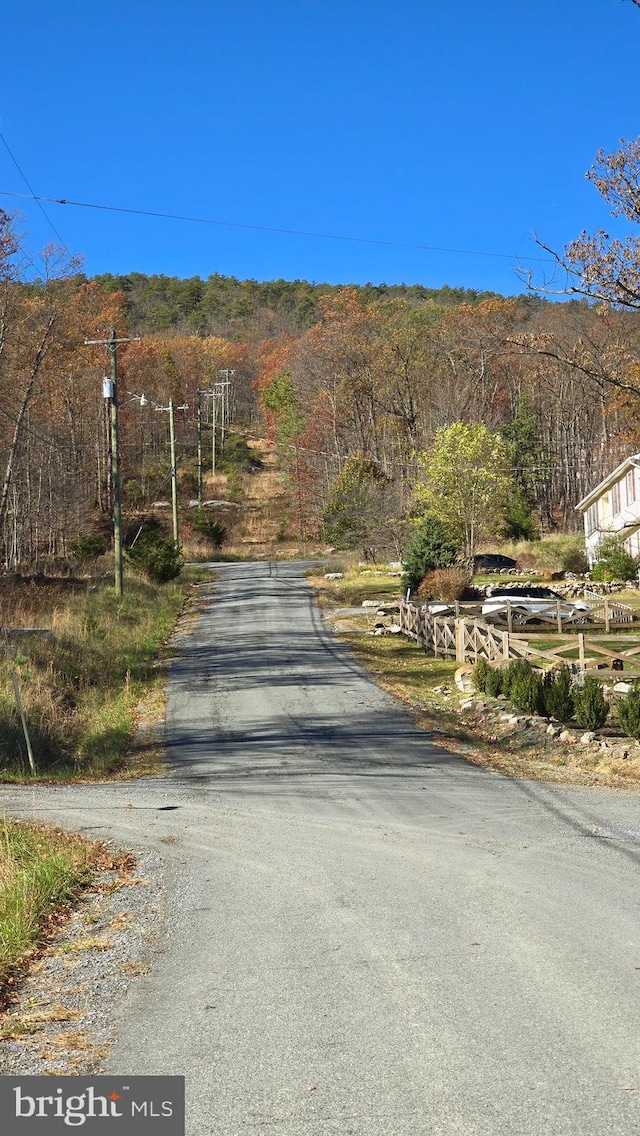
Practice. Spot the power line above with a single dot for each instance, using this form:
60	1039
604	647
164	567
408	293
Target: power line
35	197
270	228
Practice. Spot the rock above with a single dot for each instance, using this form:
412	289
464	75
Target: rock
394	629
370	603
553	731
587	738
463	679
603	745
623	687
567	736
468	705
334	575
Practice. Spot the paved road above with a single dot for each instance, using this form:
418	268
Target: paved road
366	935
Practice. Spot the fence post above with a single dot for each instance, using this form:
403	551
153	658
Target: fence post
581	650
606	615
559	617
509	616
505	645
459	625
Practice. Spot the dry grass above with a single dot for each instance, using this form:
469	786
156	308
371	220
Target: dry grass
81	683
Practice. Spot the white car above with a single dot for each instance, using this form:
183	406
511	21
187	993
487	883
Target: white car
532	600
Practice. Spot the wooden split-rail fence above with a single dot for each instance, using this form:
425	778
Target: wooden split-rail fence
467	638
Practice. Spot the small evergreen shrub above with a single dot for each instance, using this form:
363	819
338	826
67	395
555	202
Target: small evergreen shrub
519	669
480	672
88	546
525	687
591	709
235	486
238	455
493	683
153	553
629	713
558	695
430	547
161	561
212	530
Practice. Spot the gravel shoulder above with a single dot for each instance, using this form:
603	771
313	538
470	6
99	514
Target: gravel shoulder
66	1011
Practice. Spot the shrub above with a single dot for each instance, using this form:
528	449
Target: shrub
614	562
520	668
558	695
591	709
238	455
88	546
161	561
480	673
629	713
523	685
444	584
206	524
494	681
152	552
574	559
430	547
235	487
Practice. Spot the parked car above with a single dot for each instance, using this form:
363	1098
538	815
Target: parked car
494	562
531	600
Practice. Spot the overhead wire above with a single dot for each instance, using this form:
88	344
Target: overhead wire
269	228
34	195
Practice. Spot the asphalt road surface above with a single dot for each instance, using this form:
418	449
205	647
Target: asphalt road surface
366	935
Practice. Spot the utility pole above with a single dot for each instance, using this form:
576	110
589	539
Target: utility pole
224	391
199	419
110	392
214	398
174	472
171	408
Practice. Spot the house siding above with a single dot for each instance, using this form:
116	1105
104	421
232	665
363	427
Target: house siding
613	509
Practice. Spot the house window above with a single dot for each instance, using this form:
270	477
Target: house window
615	499
591	520
630	487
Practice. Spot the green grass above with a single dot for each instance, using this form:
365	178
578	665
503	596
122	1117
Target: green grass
41	872
82	684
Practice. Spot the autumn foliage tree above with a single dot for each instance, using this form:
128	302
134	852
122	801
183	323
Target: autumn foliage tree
467	482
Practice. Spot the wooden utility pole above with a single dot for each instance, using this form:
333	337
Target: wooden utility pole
110	392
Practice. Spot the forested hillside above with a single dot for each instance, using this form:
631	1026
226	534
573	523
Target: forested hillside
363	390
222	305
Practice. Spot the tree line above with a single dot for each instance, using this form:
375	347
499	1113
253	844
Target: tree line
363	390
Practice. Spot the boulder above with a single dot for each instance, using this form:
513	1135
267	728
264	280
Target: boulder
464	680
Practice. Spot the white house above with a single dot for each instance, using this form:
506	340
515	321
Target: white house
613	509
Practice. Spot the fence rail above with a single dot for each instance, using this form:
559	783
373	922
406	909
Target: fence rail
467	639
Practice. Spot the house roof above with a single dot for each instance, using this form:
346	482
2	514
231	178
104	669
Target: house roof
607	482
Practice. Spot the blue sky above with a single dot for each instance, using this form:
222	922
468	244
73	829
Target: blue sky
463	126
